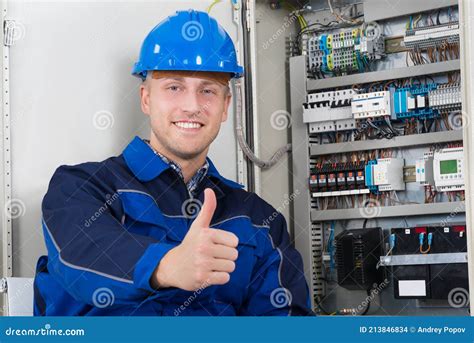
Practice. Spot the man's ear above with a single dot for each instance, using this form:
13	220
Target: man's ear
145	97
227	103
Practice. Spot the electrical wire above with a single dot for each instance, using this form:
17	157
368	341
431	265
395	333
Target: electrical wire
215	2
239	132
340	17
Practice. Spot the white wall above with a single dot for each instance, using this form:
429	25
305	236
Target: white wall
71	63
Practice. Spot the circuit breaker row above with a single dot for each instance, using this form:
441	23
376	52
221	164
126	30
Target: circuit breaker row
443	169
340	110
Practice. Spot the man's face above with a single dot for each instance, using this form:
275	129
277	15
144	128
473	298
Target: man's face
185	113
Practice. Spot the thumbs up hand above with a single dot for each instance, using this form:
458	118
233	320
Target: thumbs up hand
205	256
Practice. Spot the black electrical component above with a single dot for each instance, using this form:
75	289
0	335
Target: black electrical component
337	176
357	253
429	281
341	181
332	185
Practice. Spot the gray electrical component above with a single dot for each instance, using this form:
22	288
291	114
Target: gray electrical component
329	111
446	97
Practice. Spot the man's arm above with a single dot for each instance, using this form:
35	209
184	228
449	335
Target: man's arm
88	247
278	286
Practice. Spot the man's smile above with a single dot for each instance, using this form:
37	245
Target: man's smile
188	126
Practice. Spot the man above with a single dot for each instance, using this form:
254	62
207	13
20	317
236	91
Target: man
157	230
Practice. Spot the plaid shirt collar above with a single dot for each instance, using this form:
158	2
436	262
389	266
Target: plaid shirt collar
197	177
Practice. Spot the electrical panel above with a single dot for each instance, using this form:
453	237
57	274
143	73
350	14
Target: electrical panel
383	119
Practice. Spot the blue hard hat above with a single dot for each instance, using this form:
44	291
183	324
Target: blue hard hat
189	41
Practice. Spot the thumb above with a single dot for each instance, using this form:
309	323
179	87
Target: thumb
207	210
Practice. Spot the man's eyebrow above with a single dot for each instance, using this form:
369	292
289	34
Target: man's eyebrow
210	82
181	79
173	78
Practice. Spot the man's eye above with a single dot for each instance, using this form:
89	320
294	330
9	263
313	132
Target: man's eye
209	91
173	88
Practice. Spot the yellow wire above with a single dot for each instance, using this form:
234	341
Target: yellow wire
415	24
212	5
292	8
304	21
301	22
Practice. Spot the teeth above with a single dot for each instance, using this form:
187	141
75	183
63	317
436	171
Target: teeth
188	125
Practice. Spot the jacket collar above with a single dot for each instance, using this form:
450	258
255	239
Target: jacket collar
146	165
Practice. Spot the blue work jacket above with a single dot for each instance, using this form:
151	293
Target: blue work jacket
108	224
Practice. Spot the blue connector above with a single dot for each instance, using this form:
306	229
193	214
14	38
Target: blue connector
422	237
430	238
392	240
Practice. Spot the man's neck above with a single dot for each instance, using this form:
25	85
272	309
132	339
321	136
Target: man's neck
189	167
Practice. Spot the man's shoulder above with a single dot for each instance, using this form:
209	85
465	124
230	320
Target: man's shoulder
104	170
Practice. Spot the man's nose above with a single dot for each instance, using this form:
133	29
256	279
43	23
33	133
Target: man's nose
190	103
